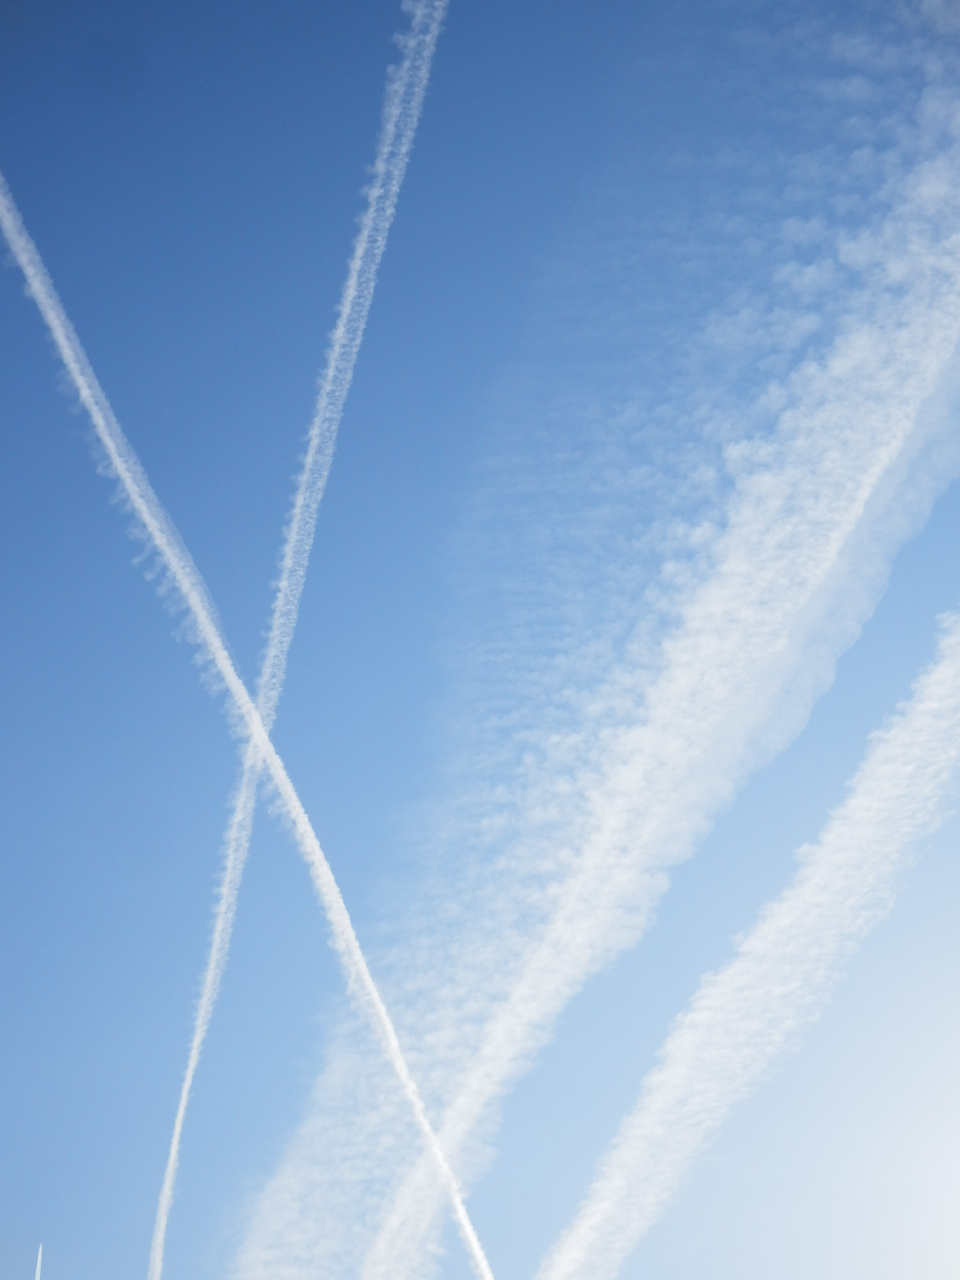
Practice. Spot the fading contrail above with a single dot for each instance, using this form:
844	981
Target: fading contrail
39	1260
403	101
819	508
797	562
184	576
745	1014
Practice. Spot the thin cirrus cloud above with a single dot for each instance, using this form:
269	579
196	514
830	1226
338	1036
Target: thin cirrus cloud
403	101
744	1015
859	448
183	579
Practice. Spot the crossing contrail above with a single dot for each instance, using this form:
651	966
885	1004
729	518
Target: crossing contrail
184	577
403	101
746	1013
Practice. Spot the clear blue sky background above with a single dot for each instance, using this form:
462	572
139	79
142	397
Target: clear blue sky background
590	184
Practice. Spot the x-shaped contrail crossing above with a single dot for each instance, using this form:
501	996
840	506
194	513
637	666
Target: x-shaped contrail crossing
404	97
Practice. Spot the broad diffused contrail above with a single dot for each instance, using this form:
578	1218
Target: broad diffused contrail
745	635
182	574
403	101
819	507
743	1015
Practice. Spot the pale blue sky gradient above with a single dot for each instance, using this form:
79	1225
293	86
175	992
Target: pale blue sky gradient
594	270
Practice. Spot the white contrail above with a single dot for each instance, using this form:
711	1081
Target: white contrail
818	510
403	101
745	1014
39	1260
801	557
183	575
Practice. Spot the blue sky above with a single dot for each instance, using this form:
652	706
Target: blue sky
641	521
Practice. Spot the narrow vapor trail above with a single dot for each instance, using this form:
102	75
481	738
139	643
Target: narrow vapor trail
39	1261
746	1013
185	578
403	101
818	510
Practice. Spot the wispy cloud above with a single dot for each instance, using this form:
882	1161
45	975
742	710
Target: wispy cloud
796	575
406	87
183	578
784	578
745	1014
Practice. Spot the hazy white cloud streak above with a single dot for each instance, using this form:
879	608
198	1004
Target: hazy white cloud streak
745	1014
819	507
403	101
185	579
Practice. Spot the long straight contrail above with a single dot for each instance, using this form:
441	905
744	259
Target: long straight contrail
185	578
403	101
745	1014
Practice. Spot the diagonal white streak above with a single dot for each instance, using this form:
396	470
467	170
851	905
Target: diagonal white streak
404	96
185	577
833	488
39	1261
743	1015
403	101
